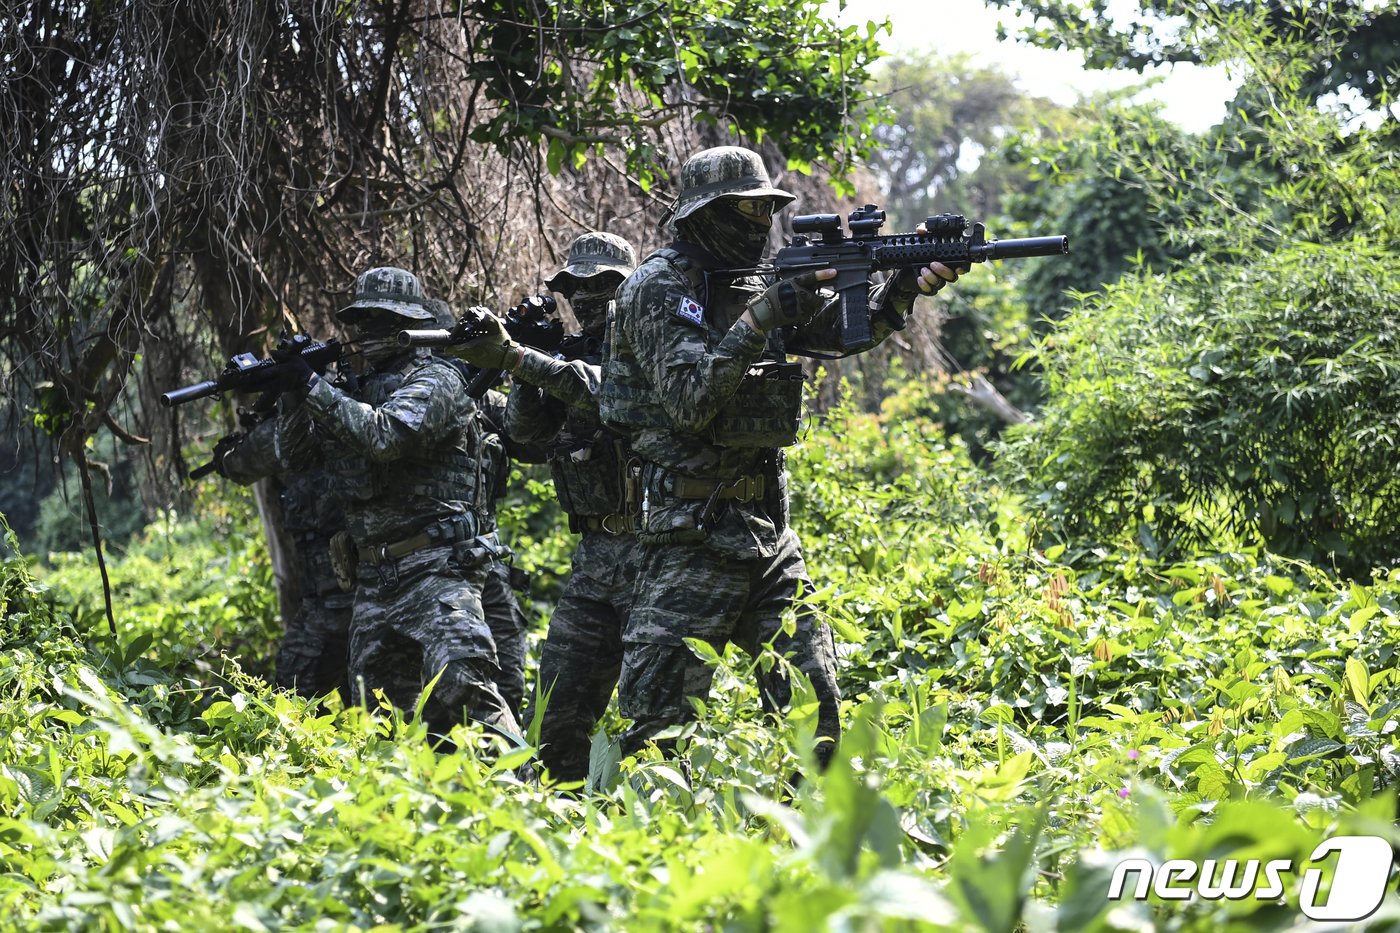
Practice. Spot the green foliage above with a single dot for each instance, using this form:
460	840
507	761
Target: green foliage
942	116
197	590
1257	400
1365	58
1094	186
1013	726
772	68
1251	393
61	523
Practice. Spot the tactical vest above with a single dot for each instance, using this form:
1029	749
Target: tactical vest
766	411
589	463
449	473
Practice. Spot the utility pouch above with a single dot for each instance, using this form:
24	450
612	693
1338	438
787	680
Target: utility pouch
344	559
766	411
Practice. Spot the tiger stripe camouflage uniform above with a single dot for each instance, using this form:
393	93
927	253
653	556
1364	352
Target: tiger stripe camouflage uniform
504	616
554	403
709	403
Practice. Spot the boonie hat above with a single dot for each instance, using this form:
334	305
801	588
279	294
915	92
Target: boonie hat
723	172
593	254
387	288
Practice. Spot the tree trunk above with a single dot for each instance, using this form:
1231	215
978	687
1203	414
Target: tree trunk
281	549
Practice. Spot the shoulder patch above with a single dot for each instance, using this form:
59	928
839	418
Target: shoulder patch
689	310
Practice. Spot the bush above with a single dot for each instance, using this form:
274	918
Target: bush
1236	401
1011	723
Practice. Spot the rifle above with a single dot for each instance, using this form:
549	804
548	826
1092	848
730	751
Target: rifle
528	323
246	373
947	240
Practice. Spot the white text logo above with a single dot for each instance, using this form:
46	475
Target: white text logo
1358	884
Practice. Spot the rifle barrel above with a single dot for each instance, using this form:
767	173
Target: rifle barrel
189	393
426	338
1028	246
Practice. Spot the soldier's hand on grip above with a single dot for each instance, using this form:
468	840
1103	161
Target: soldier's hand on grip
225	445
490	347
294	372
791	301
935	275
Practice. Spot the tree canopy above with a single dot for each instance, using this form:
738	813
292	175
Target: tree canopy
1157	32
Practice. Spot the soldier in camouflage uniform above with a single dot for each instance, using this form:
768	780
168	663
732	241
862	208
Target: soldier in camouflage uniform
411	455
504	616
312	657
696	373
554	402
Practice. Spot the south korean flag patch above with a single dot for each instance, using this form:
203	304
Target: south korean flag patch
690	311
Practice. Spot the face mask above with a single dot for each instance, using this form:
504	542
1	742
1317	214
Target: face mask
590	303
378	341
733	239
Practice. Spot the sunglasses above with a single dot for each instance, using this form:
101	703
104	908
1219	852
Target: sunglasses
755	208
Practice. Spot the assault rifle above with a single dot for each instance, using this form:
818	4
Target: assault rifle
819	244
528	323
246	373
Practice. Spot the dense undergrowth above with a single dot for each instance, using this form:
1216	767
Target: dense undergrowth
1017	721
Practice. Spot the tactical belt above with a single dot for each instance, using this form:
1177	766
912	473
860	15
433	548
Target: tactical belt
617	523
441	533
743	489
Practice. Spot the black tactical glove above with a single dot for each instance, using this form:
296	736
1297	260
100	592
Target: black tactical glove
294	373
792	301
225	446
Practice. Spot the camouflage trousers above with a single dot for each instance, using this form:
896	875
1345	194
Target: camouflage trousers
506	621
692	591
582	653
420	618
314	653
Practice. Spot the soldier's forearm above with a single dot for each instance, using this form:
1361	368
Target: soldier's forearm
531	416
363	428
574	382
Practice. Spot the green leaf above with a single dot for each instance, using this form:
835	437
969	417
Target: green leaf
554	158
1312	748
1357	681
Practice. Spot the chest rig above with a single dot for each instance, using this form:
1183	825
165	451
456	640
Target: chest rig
595	476
766	411
451	470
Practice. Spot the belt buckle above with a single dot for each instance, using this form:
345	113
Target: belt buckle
603	523
742	488
387	568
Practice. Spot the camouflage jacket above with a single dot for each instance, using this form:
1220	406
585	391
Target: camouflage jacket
676	355
309	516
554	403
405	448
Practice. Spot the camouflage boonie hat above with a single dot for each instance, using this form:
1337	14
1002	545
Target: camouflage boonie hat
386	288
723	172
593	254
